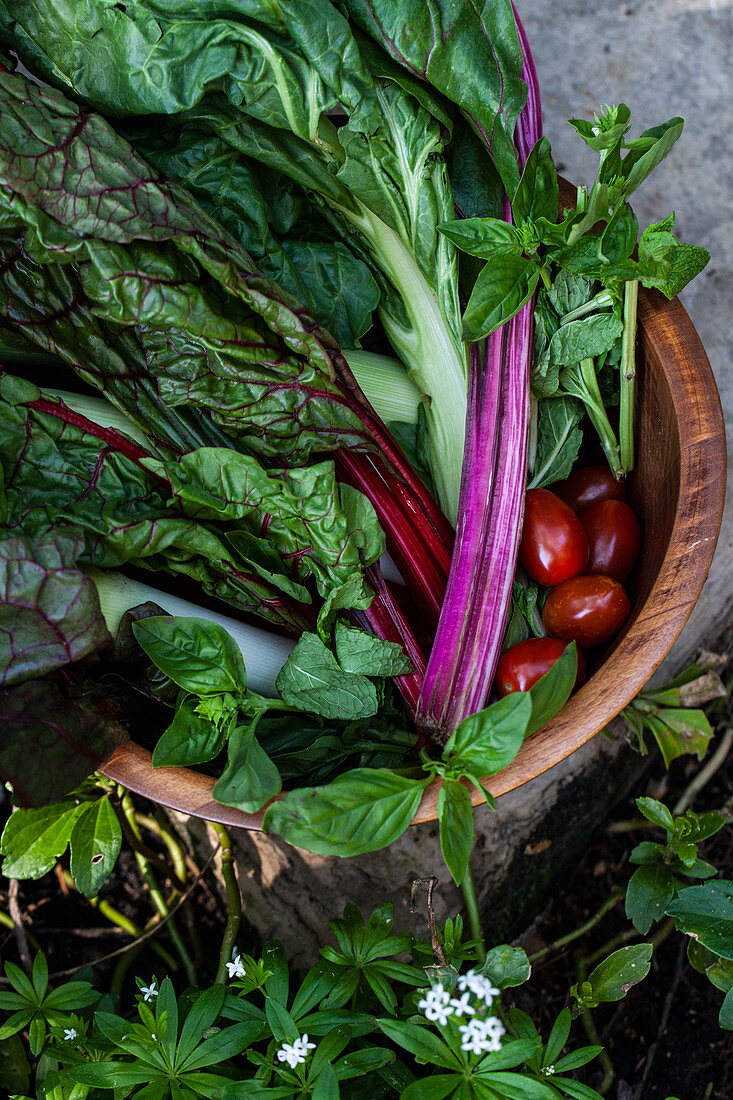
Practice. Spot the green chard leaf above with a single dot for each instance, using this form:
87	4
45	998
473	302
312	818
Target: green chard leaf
49	610
73	736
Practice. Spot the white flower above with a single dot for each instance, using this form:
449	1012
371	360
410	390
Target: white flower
149	991
548	1071
436	1004
295	1053
479	985
70	1033
481	1036
461	1006
153	1036
236	967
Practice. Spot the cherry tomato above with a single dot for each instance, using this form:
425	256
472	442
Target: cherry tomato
614	537
554	544
522	665
586	610
587	484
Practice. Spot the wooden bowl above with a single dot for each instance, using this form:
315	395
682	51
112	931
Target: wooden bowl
677	488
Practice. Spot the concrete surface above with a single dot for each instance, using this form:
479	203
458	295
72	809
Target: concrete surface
662	58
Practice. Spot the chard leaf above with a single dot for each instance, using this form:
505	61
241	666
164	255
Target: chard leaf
360	811
198	655
96	839
312	680
71	736
470	53
250	779
49	610
558	440
359	651
33	840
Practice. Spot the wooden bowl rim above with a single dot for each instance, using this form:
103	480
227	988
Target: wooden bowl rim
702	477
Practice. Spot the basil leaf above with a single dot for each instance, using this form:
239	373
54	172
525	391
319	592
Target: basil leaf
455	822
490	740
360	811
189	739
312	680
250	779
483	237
500	291
198	655
95	842
537	193
552	691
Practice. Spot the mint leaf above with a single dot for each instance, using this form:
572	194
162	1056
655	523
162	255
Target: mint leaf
311	679
364	653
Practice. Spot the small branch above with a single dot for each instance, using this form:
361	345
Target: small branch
17	917
152	931
563	941
430	883
705	774
234	901
589	1027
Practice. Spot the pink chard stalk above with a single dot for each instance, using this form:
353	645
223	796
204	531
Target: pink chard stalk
463	660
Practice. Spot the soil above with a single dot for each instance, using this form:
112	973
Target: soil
663	1039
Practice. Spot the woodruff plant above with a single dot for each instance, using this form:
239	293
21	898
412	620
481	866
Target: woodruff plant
388	1028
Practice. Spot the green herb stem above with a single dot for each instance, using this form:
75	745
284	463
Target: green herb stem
175	851
234	901
563	941
468	887
591	1032
628	375
598	416
602	300
155	892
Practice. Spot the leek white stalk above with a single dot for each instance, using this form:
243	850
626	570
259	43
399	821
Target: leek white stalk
264	653
386	385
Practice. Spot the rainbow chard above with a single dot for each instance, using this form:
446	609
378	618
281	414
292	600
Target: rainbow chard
467	645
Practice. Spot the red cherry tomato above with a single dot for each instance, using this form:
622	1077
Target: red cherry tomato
588	484
554	544
522	665
614	537
586	610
